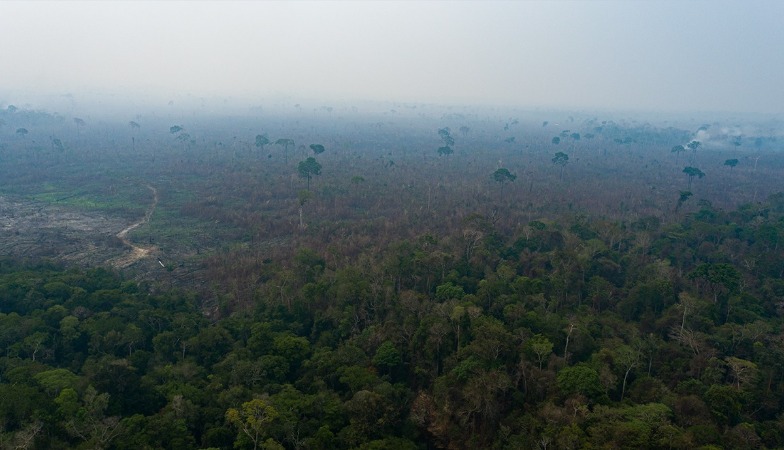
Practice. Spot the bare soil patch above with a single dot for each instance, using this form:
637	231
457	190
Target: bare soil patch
40	230
31	229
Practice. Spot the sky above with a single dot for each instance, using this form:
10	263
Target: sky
646	55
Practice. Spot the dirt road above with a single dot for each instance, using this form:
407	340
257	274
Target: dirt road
136	252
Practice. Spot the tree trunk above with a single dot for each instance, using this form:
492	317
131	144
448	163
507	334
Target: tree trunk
625	376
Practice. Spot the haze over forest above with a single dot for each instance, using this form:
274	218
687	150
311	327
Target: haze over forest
391	225
666	56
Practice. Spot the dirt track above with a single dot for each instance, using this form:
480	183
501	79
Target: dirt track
30	229
137	252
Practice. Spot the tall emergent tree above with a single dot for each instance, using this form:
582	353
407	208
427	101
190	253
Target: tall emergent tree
541	347
678	149
317	148
692	172
262	140
449	141
252	419
683	197
693	146
561	159
446	135
308	168
503	175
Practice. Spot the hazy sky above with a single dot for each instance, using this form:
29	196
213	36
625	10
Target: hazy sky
638	55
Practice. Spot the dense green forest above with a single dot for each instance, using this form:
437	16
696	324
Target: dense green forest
434	282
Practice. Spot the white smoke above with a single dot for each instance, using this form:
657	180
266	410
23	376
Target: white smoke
702	136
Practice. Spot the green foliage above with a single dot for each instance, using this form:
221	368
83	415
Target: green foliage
56	380
357	378
252	420
262	140
541	347
387	356
390	443
449	291
88	421
692	172
446	136
683	196
725	403
445	151
580	379
309	168
639	426
718	278
560	159
503	175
